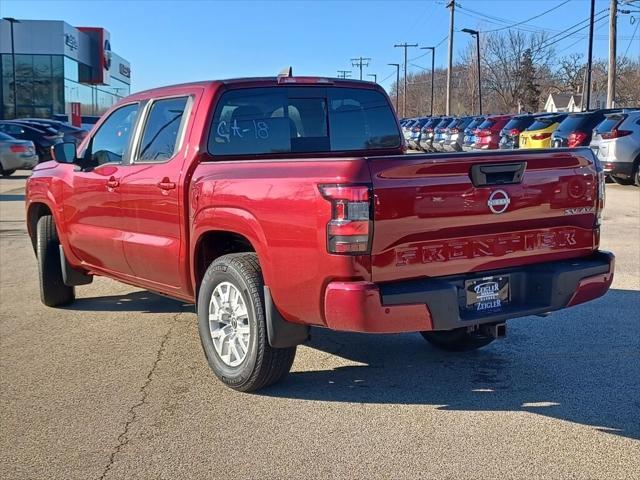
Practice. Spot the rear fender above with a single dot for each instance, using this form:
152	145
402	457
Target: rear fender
234	220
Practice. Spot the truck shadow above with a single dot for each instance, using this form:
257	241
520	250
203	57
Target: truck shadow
581	365
138	301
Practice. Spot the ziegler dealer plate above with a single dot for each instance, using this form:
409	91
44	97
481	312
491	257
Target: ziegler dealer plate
487	294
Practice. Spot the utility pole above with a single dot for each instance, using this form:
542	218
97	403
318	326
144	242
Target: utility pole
397	65
590	56
344	73
360	62
405	45
433	71
611	72
452	6
375	77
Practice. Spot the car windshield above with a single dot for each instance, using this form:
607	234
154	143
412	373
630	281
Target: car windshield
609	123
572	123
518	123
475	122
488	123
542	123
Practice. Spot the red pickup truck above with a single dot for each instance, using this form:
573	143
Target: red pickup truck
276	204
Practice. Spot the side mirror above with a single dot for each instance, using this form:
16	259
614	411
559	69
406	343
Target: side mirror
64	152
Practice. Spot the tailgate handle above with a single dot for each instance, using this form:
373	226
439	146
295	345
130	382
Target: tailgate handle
483	175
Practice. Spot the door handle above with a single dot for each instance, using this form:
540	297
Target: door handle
112	183
165	184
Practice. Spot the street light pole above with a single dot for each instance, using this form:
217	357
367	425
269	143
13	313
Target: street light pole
433	69
476	34
12	20
589	58
397	65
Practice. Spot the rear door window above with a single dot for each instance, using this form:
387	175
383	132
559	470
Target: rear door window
163	124
262	121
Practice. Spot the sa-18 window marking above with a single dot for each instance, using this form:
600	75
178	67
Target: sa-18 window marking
260	129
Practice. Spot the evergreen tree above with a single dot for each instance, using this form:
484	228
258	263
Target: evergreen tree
529	88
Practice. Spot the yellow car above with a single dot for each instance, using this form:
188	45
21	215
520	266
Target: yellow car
538	135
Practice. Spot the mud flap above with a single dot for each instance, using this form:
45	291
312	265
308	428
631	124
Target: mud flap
282	334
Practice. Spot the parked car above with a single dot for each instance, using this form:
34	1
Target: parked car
437	144
333	227
406	129
454	134
416	130
426	137
43	137
510	134
488	132
70	133
616	143
538	134
576	129
469	137
16	154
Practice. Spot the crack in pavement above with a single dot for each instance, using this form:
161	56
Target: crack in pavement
123	438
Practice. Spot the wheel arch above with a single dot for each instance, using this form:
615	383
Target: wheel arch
35	211
219	231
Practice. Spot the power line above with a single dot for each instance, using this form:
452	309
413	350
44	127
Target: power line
344	73
528	19
632	37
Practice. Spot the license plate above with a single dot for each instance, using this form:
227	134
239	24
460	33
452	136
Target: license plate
523	140
487	294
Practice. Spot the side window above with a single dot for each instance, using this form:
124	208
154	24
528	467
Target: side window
110	142
161	130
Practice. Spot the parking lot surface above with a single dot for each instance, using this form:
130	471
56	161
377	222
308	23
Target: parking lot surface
116	386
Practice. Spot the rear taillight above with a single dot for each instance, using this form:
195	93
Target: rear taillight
483	133
514	132
454	130
349	230
415	129
540	136
575	139
615	133
18	148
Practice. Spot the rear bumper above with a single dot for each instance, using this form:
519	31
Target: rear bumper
438	303
621	169
16	162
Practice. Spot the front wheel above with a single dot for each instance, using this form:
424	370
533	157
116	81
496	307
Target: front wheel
458	340
232	325
53	291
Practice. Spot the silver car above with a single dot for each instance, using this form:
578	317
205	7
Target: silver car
16	154
616	143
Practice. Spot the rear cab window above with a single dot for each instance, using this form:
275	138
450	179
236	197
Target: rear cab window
276	120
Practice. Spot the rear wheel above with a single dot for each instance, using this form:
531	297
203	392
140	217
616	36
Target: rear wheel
7	173
636	174
232	325
458	340
53	291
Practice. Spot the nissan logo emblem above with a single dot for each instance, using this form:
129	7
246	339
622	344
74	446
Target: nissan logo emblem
498	201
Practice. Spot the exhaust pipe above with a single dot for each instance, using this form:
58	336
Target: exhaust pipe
496	330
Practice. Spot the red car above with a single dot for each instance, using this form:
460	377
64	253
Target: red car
276	204
488	132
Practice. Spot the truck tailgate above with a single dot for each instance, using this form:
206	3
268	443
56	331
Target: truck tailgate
450	214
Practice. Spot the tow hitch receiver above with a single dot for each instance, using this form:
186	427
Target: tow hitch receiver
496	330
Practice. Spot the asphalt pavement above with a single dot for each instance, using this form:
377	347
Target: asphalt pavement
116	386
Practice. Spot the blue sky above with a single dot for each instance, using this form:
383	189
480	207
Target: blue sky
177	41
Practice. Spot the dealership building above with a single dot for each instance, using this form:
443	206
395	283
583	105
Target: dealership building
49	67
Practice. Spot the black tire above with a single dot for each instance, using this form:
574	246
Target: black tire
636	174
622	181
53	291
7	173
263	365
458	340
